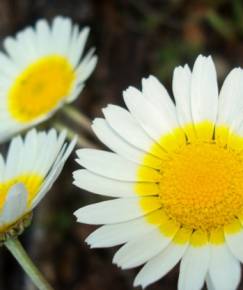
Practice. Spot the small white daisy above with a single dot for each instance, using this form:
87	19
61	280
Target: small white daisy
177	175
41	71
31	167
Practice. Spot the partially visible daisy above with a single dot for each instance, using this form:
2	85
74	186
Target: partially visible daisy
31	167
177	175
41	71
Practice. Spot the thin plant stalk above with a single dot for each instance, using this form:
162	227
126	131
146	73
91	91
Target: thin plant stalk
17	250
78	117
81	140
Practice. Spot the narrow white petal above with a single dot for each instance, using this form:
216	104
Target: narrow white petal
193	268
235	243
13	158
126	126
27	39
113	211
61	33
104	186
55	170
181	86
117	234
231	97
7	66
204	90
141	249
113	166
87	66
209	283
160	265
77	44
44	39
158	96
113	141
2	168
156	125
224	268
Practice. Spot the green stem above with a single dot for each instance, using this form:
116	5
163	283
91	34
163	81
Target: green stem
81	140
78	117
17	250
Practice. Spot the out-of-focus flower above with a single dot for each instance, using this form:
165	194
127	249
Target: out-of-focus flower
31	167
177	175
41	71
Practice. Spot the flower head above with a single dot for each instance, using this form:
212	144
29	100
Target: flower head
177	175
41	71
31	167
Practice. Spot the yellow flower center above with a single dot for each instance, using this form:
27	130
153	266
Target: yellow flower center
40	88
200	182
31	181
202	185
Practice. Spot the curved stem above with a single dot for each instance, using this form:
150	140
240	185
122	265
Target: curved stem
78	117
81	140
17	250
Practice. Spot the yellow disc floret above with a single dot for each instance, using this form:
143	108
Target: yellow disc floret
201	184
40	88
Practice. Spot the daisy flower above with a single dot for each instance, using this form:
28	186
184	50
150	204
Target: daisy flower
31	167
40	72
177	179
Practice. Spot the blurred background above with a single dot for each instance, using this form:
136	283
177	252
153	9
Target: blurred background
134	38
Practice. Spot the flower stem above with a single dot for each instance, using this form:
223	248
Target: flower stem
81	140
17	250
78	117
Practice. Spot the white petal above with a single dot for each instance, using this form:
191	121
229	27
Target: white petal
55	170
158	96
15	51
13	158
231	100
87	66
182	92
156	125
114	211
77	44
7	66
15	205
235	243
224	269
125	125
113	166
204	90
209	283
117	234
104	186
44	40
160	265
2	168
194	267
61	33
139	250
112	140
27	39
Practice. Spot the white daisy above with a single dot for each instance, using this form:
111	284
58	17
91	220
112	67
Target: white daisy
177	175
31	167
41	71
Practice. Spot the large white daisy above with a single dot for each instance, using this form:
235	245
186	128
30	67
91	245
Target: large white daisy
31	167
177	179
41	71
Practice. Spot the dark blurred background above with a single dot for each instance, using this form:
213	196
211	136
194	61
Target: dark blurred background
134	38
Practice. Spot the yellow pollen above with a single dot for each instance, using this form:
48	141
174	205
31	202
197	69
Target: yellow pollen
40	88
201	183
31	181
